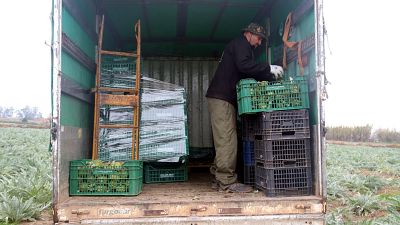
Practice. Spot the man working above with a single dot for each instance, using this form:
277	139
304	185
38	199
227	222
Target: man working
237	62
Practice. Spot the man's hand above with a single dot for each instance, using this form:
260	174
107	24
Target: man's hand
277	72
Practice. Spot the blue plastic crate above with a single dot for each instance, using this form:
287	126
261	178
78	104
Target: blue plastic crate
248	153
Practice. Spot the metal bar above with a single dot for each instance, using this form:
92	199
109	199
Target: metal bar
146	18
181	20
97	98
218	19
110	26
128	54
315	219
321	189
56	40
264	12
136	110
116	126
72	88
118	100
77	14
75	51
211	3
186	40
125	90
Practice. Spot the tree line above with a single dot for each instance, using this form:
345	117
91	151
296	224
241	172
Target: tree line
25	114
362	134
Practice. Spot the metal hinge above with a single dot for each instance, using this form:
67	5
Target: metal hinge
54	131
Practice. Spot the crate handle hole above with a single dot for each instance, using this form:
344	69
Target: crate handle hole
286	133
290	162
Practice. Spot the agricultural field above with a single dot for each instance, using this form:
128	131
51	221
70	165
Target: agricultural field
363	185
363	181
25	174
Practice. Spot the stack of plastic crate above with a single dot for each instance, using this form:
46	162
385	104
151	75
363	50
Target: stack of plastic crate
163	132
248	126
116	144
163	123
282	151
114	173
281	134
163	144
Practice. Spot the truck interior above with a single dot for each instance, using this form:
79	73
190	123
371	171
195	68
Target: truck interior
182	41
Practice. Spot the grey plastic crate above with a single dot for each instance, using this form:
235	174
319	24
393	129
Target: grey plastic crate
295	181
283	152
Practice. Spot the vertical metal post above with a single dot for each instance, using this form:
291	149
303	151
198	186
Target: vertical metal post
96	128
135	141
56	47
320	76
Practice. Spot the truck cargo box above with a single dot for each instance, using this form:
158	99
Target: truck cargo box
182	41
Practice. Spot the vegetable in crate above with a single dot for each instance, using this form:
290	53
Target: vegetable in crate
102	177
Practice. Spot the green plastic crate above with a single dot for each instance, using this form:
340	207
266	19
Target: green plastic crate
157	172
117	71
87	179
266	96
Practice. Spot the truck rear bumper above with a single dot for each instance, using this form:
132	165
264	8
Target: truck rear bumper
315	219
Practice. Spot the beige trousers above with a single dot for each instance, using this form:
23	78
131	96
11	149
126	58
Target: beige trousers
223	123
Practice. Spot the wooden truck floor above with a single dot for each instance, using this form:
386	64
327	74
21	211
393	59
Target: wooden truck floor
182	199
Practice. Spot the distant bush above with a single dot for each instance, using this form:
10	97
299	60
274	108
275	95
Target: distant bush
356	134
386	135
362	134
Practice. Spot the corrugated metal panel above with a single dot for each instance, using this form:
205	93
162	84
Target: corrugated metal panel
195	75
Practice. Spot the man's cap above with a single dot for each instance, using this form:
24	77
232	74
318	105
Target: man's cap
255	29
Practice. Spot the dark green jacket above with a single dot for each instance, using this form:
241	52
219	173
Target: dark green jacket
237	62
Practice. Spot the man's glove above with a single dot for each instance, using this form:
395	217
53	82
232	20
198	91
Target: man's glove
277	72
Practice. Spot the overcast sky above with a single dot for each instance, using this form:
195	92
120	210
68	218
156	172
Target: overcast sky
362	69
25	58
364	66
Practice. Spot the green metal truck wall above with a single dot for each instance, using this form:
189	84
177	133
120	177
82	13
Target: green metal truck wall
195	82
75	32
213	20
76	71
278	15
74	112
304	29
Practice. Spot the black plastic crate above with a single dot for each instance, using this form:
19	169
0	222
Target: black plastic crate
248	153
283	124
249	177
283	153
295	181
249	126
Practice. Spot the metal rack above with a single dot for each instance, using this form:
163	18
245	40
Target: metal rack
117	96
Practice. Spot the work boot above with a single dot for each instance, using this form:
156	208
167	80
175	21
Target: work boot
214	184
236	188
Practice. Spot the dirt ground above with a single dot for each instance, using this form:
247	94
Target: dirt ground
46	218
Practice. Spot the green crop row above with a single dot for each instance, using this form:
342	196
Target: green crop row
363	185
25	174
